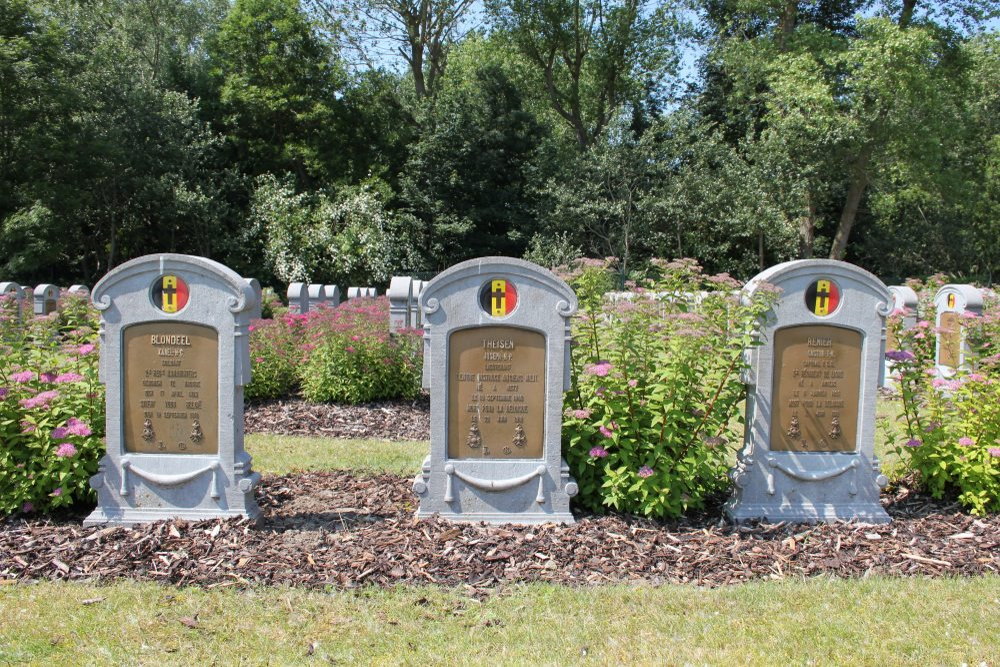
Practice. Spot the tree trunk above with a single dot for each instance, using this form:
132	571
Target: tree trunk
807	230
789	17
855	191
906	15
417	69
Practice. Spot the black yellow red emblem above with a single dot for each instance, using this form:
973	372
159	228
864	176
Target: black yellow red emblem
822	297
498	297
170	293
951	300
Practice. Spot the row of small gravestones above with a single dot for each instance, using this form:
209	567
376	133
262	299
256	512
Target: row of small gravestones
43	298
175	358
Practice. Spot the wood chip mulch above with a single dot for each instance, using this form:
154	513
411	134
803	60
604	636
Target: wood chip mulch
333	529
385	420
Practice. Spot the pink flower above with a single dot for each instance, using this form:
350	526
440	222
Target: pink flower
27	427
259	360
975	377
581	414
68	377
600	369
76	427
251	328
47	377
4	391
969	315
598	452
22	377
41	400
66	449
913	442
645	471
938	382
605	431
994	452
923	324
355	338
85	349
633	383
59	432
56	493
27	508
349	348
966	442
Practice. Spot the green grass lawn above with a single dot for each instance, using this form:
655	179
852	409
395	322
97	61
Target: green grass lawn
876	621
818	621
280	454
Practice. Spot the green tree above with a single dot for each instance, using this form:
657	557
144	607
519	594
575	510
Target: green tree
591	56
279	87
470	175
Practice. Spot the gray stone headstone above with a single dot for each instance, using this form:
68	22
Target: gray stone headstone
951	303
498	332
259	295
354	293
904	302
298	298
332	293
317	296
808	453
400	295
14	292
81	290
174	358
416	317
46	299
371	292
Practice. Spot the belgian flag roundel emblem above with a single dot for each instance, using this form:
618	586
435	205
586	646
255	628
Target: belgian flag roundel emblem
951	300
170	293
822	297
498	297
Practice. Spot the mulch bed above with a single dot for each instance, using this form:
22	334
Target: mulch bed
334	529
384	420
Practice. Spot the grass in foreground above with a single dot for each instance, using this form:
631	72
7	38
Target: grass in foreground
873	621
280	454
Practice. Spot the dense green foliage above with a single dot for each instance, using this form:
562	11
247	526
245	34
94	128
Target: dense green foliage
51	407
343	142
651	418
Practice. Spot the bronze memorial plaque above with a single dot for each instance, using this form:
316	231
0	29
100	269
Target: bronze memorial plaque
817	389
171	389
950	340
496	393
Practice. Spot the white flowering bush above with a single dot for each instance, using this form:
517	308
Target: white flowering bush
350	239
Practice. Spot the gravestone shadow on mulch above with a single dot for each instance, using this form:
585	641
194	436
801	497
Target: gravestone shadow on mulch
335	529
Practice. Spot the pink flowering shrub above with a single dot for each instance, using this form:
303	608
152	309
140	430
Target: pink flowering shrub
951	425
274	357
343	354
651	417
51	408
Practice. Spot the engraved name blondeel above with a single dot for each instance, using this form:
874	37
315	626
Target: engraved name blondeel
496	393
171	388
817	385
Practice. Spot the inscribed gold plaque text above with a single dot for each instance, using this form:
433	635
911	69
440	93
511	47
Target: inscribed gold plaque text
171	388
496	393
817	387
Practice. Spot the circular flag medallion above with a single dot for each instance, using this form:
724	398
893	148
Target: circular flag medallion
498	298
822	297
951	299
170	293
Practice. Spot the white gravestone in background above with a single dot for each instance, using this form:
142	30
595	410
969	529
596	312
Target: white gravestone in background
951	303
